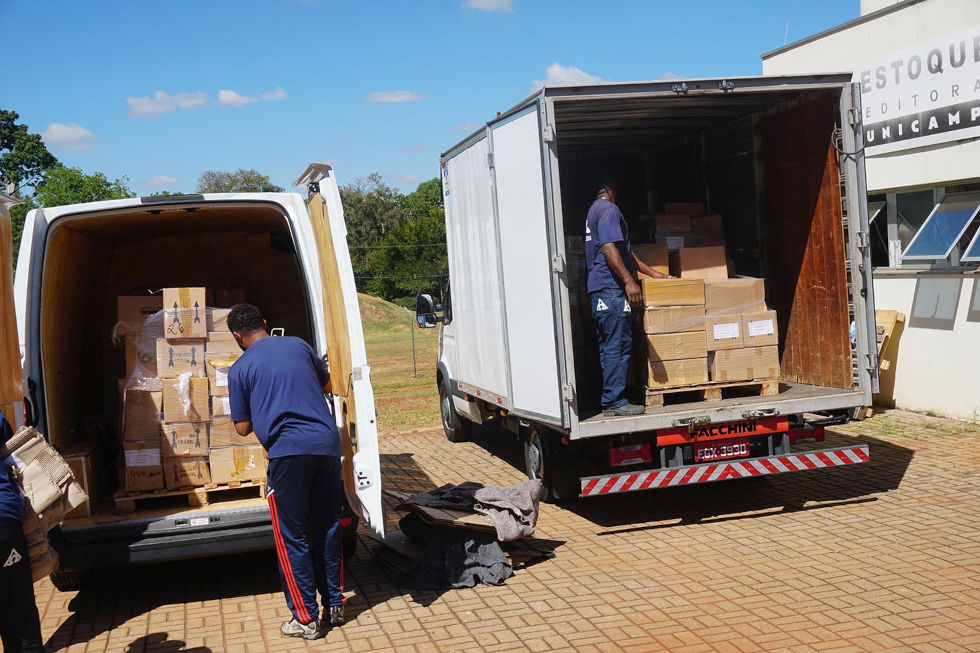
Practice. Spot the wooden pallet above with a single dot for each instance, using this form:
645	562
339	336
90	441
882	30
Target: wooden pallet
656	397
196	497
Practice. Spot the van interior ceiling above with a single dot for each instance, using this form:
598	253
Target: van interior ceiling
763	160
93	260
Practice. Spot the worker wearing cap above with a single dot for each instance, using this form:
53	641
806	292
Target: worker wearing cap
613	290
20	627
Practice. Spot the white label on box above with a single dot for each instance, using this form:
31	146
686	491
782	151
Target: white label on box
761	328
226	406
142	457
728	331
675	242
221	377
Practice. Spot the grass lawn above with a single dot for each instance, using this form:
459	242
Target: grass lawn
403	402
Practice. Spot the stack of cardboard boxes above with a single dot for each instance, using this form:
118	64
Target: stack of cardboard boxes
176	427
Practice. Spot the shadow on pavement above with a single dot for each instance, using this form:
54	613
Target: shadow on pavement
732	499
159	643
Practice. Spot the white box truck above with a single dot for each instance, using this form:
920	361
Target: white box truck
290	257
779	158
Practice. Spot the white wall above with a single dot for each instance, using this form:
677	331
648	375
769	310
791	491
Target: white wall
936	368
845	50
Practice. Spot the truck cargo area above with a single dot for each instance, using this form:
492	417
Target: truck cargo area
91	259
765	160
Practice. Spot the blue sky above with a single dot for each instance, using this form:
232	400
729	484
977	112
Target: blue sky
159	92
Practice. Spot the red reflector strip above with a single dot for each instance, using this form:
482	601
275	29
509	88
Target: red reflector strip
706	473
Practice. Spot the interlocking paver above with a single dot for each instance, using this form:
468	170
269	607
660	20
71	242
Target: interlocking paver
881	556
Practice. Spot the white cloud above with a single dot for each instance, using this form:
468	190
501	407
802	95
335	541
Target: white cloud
394	96
68	137
490	5
160	103
558	75
668	76
414	148
467	126
159	181
229	98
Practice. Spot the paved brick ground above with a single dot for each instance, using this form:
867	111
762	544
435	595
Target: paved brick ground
879	557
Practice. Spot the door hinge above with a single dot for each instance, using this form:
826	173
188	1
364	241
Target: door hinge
863	239
489	159
557	263
853	117
567	392
361	477
548	134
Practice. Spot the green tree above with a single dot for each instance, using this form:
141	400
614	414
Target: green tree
63	185
240	181
23	156
371	209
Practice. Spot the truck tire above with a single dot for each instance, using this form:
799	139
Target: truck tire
67	581
456	428
558	478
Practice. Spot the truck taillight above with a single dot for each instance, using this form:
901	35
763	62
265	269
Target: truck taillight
630	454
806	434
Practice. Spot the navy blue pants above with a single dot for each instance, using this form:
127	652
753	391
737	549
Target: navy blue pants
20	627
612	316
305	498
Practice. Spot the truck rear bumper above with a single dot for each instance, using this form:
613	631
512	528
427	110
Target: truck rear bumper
720	471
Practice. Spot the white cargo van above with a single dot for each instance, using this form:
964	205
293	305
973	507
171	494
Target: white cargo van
291	258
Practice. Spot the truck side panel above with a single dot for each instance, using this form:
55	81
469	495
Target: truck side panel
477	288
525	254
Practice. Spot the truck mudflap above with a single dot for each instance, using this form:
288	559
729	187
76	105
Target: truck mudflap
721	471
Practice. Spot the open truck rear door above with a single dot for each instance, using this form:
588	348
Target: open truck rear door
349	370
11	373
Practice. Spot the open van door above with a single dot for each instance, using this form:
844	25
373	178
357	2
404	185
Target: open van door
350	373
11	373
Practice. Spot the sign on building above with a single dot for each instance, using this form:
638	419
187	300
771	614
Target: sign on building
926	94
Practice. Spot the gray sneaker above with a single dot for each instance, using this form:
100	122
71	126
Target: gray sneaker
624	410
336	615
293	628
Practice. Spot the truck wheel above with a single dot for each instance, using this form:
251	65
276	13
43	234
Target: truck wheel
67	581
557	482
456	428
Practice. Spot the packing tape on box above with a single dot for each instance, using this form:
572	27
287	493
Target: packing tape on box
183	388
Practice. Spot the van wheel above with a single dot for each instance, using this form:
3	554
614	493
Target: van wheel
557	477
456	428
67	581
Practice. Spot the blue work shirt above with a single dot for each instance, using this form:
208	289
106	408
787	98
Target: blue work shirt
605	224
11	500
278	385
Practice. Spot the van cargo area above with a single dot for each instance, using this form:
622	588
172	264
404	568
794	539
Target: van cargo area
92	259
766	163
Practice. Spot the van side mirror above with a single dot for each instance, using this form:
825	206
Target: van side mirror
425	311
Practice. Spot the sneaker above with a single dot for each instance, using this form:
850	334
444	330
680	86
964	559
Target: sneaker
624	410
336	615
293	628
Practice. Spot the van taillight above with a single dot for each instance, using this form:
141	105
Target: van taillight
630	454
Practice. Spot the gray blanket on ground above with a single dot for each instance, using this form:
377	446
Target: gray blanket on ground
453	557
449	496
512	510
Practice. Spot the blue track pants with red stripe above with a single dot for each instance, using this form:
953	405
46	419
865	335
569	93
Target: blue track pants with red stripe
305	501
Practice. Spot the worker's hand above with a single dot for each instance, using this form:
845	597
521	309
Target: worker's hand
633	293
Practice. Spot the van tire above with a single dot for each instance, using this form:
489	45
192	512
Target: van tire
455	427
556	472
67	581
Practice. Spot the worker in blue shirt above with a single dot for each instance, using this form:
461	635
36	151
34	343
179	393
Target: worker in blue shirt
20	626
276	389
613	290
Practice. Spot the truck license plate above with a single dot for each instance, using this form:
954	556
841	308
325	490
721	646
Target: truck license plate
721	449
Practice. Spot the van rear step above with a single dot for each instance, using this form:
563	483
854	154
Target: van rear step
656	397
197	497
707	472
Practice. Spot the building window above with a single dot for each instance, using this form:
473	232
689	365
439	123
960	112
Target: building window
943	232
878	219
911	210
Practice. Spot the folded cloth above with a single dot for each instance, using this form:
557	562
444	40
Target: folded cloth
449	496
453	557
512	510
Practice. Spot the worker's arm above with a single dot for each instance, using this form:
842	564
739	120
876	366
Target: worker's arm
646	269
244	427
328	387
618	266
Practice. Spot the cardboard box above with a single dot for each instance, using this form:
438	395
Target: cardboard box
667	374
741	295
218	366
676	346
724	331
223	434
238	463
84	461
672	319
653	255
709	226
760	329
141	357
701	263
672	240
199	409
222	343
142	466
142	411
218	320
672	222
175	357
673	292
186	472
133	310
183	439
220	406
184	313
228	297
744	364
693	209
